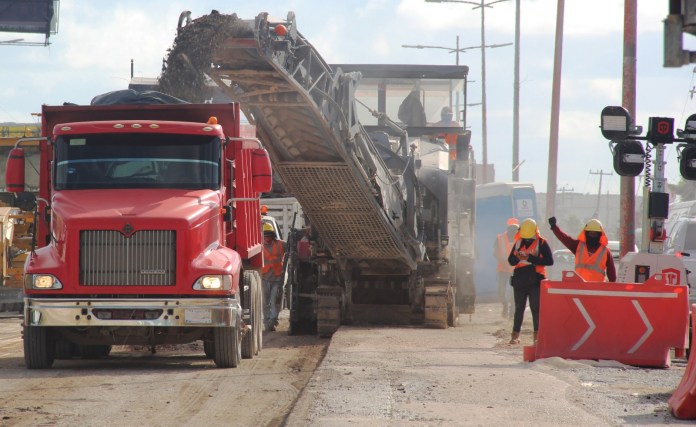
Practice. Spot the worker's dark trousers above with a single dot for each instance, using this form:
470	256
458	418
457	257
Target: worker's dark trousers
521	293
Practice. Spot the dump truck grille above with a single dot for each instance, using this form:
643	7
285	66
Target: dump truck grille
146	258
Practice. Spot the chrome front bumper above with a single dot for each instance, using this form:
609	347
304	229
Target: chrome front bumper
182	312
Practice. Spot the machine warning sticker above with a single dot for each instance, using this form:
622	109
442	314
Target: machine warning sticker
198	315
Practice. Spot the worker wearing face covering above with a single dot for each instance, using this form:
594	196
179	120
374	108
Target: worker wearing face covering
593	260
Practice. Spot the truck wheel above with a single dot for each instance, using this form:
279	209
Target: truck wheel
209	349
258	306
228	351
39	348
249	342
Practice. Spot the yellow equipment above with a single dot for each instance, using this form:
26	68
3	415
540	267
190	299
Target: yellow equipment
15	227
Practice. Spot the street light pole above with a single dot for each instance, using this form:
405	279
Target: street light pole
516	100
484	127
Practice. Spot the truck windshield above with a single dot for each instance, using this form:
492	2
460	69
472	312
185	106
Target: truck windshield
137	161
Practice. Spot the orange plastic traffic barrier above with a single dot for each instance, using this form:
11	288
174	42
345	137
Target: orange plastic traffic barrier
632	323
683	400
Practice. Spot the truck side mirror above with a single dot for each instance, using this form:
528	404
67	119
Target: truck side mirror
261	172
14	174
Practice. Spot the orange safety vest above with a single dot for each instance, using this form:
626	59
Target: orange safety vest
273	259
451	140
591	267
531	250
504	248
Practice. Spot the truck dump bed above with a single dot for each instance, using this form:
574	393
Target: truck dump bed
304	115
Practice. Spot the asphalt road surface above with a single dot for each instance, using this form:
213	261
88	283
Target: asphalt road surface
365	376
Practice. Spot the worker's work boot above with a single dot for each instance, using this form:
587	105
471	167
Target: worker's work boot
535	337
515	338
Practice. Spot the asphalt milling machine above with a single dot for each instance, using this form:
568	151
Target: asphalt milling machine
388	236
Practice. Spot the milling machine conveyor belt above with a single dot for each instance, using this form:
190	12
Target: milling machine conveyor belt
304	115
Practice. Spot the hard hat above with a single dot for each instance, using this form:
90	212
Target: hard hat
446	110
528	228
513	221
268	228
594	225
264	209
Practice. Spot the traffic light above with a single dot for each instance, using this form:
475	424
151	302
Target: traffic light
687	161
629	157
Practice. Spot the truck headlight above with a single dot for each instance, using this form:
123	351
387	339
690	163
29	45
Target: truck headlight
42	281
213	283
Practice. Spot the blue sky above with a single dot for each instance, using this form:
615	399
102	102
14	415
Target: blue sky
96	41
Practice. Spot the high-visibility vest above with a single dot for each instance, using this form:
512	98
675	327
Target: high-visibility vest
504	248
533	249
591	267
273	259
451	140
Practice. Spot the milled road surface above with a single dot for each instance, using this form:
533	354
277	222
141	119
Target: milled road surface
170	388
385	376
469	375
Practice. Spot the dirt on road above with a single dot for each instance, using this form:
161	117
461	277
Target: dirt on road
174	387
365	376
471	376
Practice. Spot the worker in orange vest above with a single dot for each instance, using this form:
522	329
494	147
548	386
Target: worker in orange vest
501	251
446	120
530	255
272	278
593	259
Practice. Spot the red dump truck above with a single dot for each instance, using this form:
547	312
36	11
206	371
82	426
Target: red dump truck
148	232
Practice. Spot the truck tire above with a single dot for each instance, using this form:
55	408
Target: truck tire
250	340
228	351
259	313
39	348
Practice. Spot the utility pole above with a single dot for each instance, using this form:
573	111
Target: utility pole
563	190
627	201
555	112
601	174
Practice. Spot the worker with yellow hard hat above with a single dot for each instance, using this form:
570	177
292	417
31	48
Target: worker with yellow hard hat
593	259
530	255
501	250
272	275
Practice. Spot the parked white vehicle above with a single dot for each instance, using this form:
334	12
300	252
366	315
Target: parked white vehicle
681	241
615	248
